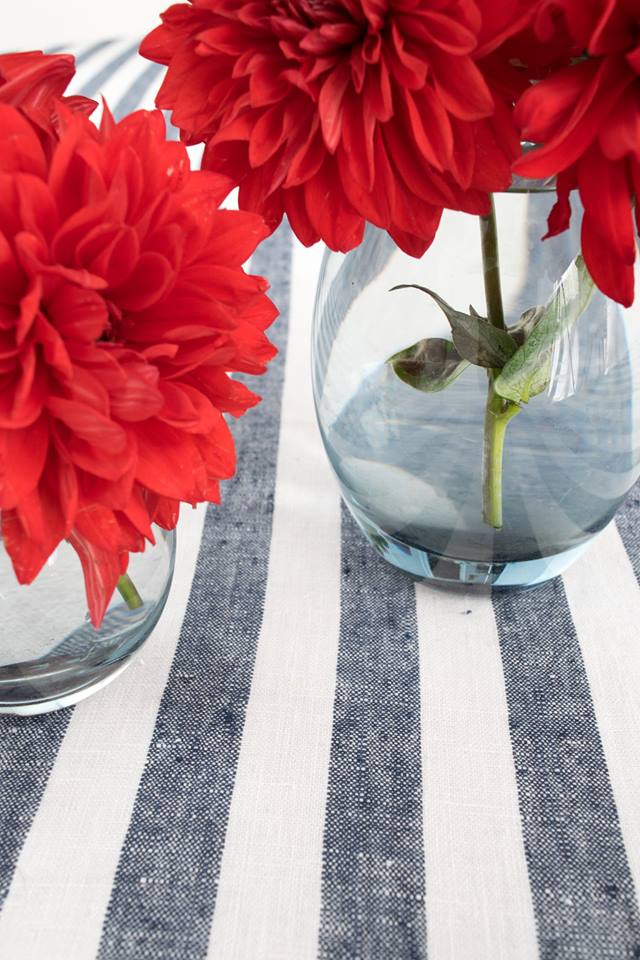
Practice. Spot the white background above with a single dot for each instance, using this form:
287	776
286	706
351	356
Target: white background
37	24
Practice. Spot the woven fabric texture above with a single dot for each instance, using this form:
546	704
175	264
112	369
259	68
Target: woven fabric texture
313	757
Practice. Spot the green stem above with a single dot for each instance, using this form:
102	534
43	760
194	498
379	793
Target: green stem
491	267
128	592
498	411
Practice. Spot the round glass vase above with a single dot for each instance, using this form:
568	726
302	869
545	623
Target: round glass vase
412	465
50	654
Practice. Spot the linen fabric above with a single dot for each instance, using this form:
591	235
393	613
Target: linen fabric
313	757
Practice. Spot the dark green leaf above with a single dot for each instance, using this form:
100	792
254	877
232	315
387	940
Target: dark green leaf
475	339
428	365
527	373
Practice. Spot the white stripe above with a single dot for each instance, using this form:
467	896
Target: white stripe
478	898
121	81
64	875
604	598
126	78
268	901
89	68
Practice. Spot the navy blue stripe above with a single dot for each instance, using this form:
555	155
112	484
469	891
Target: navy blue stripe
628	523
373	863
28	748
583	893
94	84
135	94
165	887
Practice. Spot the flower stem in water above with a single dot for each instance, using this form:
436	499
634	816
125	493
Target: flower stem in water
498	411
128	592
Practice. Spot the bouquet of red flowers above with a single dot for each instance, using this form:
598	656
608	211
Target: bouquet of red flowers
123	303
123	309
343	112
388	111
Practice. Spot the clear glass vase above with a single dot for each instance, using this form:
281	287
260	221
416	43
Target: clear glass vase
411	464
50	654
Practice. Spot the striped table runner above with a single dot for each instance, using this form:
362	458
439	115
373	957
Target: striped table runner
312	756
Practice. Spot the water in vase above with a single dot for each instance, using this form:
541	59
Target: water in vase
410	464
411	470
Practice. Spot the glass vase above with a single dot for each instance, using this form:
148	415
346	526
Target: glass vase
412	465
50	654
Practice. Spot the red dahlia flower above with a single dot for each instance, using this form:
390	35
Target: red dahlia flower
540	45
343	111
123	305
36	82
588	118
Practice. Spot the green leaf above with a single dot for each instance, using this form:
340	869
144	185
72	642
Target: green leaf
521	330
428	365
527	373
475	339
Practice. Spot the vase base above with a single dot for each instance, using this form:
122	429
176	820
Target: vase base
68	698
426	565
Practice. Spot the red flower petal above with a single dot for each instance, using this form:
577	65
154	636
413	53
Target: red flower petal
35	82
23	454
148	283
330	100
140	398
98	525
463	90
169	463
137	512
340	225
20	148
235	236
164	511
89	425
608	241
27	555
78	313
560	215
606	82
101	570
